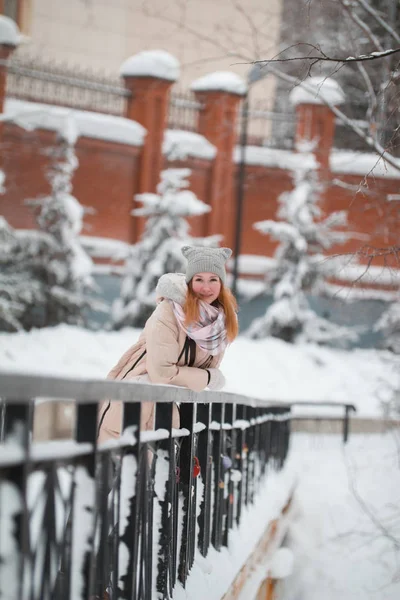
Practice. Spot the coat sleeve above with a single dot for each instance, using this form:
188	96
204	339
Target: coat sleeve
162	335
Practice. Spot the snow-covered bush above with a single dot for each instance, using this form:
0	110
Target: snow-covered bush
159	249
389	325
304	234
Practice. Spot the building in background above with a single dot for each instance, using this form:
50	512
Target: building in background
204	35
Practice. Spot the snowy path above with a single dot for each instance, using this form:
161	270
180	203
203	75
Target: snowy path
346	529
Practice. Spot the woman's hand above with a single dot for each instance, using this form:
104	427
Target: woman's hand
216	380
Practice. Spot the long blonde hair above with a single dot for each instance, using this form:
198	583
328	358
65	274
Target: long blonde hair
226	299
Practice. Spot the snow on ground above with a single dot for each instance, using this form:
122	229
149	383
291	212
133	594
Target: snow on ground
345	532
268	369
212	576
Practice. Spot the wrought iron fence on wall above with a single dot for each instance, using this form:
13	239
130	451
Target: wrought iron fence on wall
79	520
269	128
183	111
51	83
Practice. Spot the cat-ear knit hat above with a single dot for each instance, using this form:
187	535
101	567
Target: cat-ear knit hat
206	260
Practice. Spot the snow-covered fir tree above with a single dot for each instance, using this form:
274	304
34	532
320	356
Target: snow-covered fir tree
304	234
68	273
23	274
159	249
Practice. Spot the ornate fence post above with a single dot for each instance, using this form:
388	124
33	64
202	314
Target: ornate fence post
220	95
149	76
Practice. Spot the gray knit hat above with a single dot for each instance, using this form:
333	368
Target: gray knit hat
206	260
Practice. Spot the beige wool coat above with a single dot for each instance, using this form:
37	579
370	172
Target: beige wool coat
157	357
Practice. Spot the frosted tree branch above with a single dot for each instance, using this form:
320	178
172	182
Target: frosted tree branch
322	57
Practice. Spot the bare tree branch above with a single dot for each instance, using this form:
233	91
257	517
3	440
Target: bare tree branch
362	24
375	55
379	19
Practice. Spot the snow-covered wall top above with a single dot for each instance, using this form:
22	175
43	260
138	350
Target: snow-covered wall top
151	63
280	159
221	81
341	161
317	90
178	145
9	32
32	115
361	163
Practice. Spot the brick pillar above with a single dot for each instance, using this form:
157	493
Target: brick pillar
5	53
149	76
9	39
315	120
220	95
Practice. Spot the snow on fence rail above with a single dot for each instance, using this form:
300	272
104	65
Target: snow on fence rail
128	515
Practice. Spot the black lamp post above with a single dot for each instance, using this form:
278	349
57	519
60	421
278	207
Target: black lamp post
244	121
258	71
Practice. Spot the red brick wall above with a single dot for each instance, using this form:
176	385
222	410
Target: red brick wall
374	221
262	189
108	178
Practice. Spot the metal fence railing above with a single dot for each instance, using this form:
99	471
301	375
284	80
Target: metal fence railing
36	80
125	517
269	128
183	111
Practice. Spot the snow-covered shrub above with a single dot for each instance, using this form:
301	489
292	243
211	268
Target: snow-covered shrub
389	325
304	234
159	249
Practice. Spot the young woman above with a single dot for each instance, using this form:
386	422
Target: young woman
184	340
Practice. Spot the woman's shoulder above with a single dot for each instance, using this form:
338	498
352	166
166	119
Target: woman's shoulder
163	313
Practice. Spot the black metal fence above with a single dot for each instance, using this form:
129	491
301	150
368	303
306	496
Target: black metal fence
125	518
183	111
36	80
268	128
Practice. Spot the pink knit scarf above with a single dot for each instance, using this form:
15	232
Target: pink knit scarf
210	331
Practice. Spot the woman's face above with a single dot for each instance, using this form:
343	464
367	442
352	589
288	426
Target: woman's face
206	286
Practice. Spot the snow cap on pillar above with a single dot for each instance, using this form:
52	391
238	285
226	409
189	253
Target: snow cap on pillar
151	63
220	81
318	90
9	32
